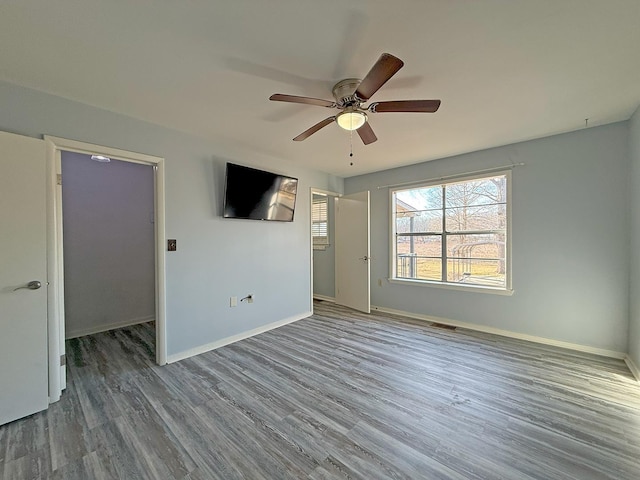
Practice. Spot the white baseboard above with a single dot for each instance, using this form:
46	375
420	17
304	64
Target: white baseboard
506	333
105	328
234	338
324	298
633	367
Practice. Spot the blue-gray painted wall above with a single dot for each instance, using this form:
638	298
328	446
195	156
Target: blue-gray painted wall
216	258
570	245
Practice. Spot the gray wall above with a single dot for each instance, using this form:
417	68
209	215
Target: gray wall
109	246
216	258
634	290
570	240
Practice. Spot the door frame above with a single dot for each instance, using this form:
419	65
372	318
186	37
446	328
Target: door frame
329	193
55	258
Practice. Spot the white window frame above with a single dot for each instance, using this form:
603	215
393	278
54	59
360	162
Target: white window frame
320	242
507	289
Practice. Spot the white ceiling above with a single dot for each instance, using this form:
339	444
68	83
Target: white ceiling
505	70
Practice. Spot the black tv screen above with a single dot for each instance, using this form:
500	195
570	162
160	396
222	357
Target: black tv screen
255	194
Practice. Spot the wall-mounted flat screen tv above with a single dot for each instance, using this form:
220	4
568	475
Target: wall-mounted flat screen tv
255	194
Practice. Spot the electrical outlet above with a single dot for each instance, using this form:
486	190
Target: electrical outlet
233	302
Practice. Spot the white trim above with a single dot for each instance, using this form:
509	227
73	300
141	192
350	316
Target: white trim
161	271
463	287
328	193
55	146
324	298
111	326
234	338
89	148
633	367
55	292
506	333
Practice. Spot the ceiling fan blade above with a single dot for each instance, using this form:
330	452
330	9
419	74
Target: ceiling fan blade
420	106
279	97
366	134
310	131
385	68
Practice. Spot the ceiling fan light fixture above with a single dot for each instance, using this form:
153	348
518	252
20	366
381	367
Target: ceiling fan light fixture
351	119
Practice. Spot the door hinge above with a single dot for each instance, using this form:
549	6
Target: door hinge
63	360
59	179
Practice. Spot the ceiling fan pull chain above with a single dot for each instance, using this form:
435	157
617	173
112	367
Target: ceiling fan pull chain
351	143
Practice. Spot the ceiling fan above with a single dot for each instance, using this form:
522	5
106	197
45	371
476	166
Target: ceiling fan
350	95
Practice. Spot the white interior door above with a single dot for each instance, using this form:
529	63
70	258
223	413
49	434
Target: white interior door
23	310
352	251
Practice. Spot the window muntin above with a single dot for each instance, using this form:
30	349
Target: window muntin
452	233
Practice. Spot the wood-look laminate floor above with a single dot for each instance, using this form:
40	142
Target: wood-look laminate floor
339	395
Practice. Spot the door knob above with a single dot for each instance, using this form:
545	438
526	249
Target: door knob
365	258
32	285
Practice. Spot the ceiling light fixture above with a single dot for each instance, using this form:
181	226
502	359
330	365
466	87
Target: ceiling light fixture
100	158
351	119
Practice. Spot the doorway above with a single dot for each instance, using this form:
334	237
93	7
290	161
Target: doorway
340	250
109	249
322	245
56	148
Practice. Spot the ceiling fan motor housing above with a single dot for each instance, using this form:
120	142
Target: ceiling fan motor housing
344	92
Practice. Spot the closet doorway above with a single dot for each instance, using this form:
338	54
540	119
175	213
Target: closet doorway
108	238
109	252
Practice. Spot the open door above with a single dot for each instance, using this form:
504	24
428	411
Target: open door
352	251
23	278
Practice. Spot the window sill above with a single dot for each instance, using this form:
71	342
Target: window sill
452	286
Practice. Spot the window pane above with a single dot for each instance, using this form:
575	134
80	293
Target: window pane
419	199
403	244
419	222
429	268
476	259
481	191
419	257
403	224
423	245
473	218
421	268
487	246
476	272
406	266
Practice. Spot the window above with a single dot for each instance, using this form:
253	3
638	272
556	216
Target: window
319	220
453	233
